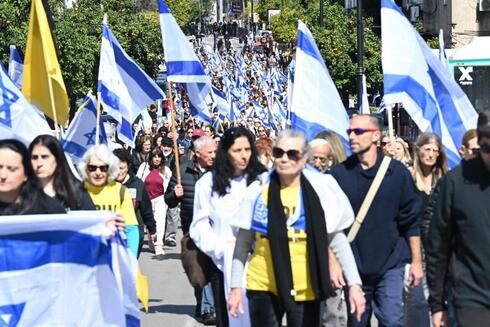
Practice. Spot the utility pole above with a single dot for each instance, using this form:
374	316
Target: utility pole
360	53
321	14
252	15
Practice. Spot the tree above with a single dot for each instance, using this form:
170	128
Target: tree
337	42
78	33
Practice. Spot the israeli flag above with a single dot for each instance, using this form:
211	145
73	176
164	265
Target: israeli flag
124	87
183	65
16	67
18	118
442	52
221	103
414	76
315	103
82	130
65	270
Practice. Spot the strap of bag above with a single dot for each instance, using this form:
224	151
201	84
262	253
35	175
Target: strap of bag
121	193
373	189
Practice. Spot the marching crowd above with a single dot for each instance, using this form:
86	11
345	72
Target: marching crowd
275	225
285	221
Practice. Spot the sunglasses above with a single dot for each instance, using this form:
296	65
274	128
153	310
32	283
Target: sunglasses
103	168
485	148
292	154
360	131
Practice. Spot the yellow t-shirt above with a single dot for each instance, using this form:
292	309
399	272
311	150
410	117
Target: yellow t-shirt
260	273
108	198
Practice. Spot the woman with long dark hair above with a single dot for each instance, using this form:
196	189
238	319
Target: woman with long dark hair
57	180
217	197
20	190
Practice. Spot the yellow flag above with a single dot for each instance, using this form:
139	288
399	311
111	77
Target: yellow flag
142	289
42	83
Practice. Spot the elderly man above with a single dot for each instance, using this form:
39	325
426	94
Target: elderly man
459	236
389	236
320	154
292	217
204	148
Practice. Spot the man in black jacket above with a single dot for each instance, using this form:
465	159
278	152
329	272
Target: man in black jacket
183	193
459	235
389	236
141	200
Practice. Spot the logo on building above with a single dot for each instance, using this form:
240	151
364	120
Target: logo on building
466	78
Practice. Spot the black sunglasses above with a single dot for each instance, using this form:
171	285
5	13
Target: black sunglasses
292	154
485	148
103	168
360	131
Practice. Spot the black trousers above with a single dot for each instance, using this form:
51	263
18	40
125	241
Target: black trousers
473	317
142	238
266	310
220	307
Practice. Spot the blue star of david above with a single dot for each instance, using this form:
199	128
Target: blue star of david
7	99
90	137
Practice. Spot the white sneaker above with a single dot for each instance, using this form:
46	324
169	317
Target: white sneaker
159	250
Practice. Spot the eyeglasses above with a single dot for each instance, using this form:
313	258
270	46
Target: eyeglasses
103	168
474	150
292	154
321	159
360	131
485	148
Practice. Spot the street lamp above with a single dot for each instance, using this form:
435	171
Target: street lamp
360	53
321	14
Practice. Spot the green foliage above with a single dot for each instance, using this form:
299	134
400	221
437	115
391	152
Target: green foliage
337	42
184	11
78	33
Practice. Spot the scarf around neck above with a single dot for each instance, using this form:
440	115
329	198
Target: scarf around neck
316	241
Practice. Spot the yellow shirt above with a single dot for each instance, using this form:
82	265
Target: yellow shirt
108	198
260	273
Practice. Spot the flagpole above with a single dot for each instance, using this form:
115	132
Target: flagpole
174	131
97	120
391	132
55	117
83	105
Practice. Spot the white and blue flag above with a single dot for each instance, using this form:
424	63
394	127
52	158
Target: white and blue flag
364	107
221	103
315	102
66	270
16	67
183	65
81	133
124	87
18	118
415	77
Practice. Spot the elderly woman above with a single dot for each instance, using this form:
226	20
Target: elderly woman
20	190
292	217
99	169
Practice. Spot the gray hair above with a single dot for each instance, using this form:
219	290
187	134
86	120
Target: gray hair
199	143
316	143
293	134
104	154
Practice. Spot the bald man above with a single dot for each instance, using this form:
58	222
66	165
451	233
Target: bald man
319	155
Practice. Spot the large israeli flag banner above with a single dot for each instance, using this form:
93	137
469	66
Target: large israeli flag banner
124	87
18	118
65	270
81	132
183	65
315	102
415	77
16	67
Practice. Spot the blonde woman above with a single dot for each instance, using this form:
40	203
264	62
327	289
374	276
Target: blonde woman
402	152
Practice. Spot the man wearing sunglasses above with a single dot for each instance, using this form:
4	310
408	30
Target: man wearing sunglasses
389	236
459	235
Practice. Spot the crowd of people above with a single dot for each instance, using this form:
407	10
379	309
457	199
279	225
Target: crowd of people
277	216
290	227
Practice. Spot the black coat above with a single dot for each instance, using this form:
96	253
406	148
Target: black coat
459	234
190	174
143	209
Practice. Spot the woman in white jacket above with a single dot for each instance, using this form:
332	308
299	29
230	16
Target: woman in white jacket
217	197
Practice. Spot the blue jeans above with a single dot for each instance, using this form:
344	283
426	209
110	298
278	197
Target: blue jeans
417	312
384	296
204	299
